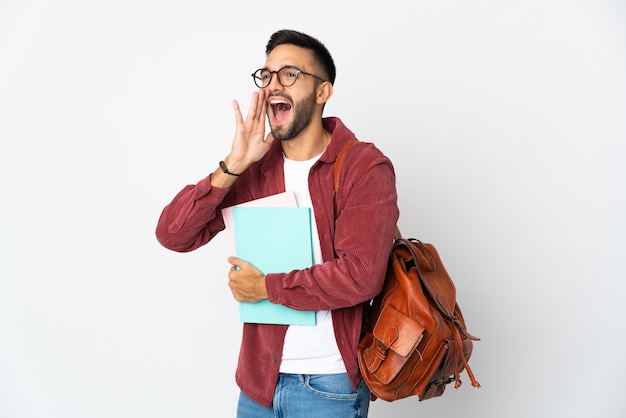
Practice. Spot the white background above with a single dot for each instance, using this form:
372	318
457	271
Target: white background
505	122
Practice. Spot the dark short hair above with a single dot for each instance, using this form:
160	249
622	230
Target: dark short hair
302	40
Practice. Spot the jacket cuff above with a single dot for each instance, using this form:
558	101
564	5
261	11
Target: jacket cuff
274	287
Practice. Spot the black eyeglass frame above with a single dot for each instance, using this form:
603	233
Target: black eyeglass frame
258	80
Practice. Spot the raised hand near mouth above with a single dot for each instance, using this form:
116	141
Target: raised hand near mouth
250	143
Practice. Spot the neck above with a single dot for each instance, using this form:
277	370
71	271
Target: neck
310	142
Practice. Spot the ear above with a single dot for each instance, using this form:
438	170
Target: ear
324	92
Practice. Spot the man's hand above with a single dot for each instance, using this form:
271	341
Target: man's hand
250	143
246	281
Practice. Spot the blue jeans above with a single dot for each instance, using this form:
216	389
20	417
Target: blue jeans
310	396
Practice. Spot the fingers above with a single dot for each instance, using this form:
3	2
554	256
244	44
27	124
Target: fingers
247	284
248	144
232	276
239	280
238	117
263	109
236	262
256	113
257	109
252	110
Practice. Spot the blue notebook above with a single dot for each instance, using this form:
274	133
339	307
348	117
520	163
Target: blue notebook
274	240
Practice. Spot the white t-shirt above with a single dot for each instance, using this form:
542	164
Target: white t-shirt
309	349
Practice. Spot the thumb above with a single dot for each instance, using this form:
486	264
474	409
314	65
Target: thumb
234	261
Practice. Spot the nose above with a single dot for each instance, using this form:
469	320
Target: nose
274	82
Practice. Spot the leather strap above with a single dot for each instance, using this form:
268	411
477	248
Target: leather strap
336	172
397	234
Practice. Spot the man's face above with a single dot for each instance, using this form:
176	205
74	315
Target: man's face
290	109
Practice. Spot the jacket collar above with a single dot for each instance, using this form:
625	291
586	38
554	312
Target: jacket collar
340	136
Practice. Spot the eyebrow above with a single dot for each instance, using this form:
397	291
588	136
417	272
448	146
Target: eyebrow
285	66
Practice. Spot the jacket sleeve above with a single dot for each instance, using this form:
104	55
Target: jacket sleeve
192	218
364	230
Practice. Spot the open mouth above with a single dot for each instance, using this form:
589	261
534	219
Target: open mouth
280	109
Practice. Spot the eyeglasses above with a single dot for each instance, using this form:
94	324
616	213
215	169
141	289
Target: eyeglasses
287	76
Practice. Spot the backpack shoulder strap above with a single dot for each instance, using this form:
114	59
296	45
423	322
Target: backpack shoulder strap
336	172
397	234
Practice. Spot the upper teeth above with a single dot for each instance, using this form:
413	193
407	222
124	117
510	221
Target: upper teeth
278	101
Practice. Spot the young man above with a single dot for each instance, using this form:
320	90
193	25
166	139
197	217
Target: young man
298	371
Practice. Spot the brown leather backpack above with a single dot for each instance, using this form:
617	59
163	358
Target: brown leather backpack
414	339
